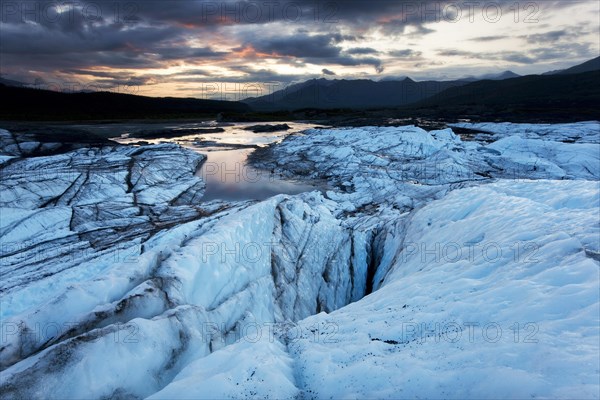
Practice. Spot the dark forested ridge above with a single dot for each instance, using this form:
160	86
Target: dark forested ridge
36	104
549	97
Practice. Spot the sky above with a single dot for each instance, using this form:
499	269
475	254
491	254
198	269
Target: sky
235	49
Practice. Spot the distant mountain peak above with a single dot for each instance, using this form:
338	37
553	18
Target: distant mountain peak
500	76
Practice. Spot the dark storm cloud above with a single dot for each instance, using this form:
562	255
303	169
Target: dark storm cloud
406	53
354	61
394	27
513	57
532	56
314	49
362	50
546	37
354	12
489	56
97	74
12	63
36	39
456	53
566	35
187	53
567	50
72	16
489	38
326	71
148	34
252	74
110	25
110	45
127	82
301	45
116	78
245	75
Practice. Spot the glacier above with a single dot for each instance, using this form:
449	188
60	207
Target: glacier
434	266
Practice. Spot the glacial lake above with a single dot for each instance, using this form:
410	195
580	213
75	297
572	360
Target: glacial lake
226	171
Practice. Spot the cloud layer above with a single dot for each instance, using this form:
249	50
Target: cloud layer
172	48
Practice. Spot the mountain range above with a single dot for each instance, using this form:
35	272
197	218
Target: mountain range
351	94
368	94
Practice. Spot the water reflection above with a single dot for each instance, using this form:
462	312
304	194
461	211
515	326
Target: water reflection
229	177
226	171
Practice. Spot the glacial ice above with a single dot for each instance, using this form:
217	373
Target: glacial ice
494	296
582	132
433	267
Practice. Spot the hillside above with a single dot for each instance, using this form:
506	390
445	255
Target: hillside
574	96
36	104
588	66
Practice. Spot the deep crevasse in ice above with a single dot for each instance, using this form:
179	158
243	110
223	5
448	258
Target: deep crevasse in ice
162	312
